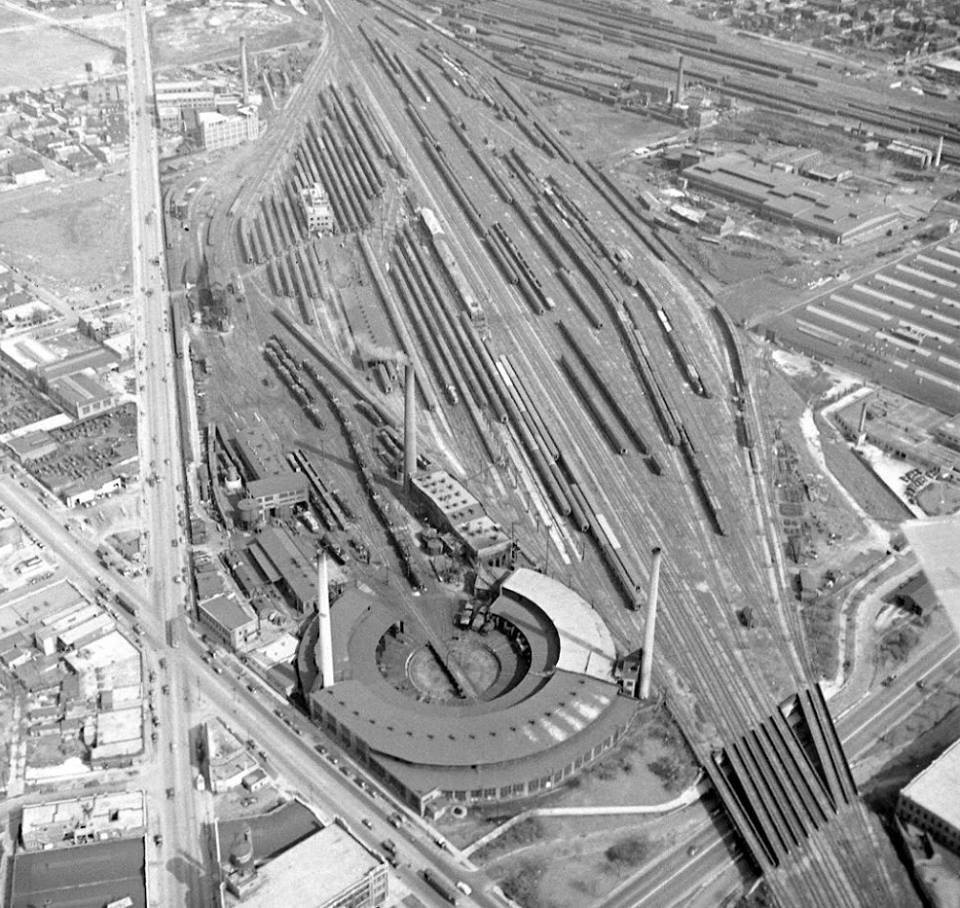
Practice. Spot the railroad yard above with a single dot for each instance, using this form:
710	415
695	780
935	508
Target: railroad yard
572	365
661	304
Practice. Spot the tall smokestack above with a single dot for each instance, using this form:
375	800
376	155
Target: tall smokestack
678	94
863	424
325	635
244	75
936	157
649	627
409	424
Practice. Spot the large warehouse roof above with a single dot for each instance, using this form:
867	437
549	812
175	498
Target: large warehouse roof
935	789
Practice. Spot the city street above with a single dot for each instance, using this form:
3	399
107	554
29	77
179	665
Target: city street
183	856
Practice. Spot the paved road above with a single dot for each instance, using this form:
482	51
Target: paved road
184	854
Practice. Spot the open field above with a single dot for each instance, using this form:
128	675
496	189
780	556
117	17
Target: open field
194	35
62	59
74	238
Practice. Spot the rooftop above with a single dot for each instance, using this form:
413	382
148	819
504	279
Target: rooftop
586	646
935	789
289	483
325	864
228	612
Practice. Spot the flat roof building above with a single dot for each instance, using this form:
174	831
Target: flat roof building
228	619
276	554
281	491
316	209
82	395
220	131
330	869
930	801
446	503
76	821
778	195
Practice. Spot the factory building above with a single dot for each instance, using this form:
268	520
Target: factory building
316	209
228	620
332	865
193	95
930	801
446	504
81	395
278	493
280	560
775	193
218	130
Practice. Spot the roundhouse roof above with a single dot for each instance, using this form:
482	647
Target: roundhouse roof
569	687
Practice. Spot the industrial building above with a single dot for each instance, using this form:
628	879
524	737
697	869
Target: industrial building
82	396
78	821
317	209
896	325
278	493
228	620
447	505
226	759
330	869
283	563
779	195
553	709
219	130
930	801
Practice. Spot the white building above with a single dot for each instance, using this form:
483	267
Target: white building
931	803
220	131
316	209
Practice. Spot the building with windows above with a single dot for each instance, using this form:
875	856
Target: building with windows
316	209
82	395
274	493
330	869
228	620
930	801
219	130
446	504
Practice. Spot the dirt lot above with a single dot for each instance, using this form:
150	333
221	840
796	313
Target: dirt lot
61	59
74	236
180	34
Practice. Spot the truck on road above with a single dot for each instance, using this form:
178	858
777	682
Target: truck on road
442	886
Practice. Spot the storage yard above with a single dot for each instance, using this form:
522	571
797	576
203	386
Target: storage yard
523	282
472	317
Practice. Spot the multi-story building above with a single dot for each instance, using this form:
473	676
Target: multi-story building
278	492
930	801
194	95
332	865
229	620
316	209
220	131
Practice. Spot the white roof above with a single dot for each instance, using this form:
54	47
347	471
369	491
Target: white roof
586	646
935	789
324	865
936	543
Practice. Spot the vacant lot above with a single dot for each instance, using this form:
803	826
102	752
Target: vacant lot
73	237
34	55
182	36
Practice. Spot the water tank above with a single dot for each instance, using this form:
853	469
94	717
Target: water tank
248	513
241	852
